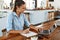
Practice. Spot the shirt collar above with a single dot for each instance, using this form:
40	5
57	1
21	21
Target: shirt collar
14	13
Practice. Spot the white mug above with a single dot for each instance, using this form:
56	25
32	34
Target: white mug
34	38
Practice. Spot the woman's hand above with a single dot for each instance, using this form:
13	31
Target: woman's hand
36	29
26	31
39	29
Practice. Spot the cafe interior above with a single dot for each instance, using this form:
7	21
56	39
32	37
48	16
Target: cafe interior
42	14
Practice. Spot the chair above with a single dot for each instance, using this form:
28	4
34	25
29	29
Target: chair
4	31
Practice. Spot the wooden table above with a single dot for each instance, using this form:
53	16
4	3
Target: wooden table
53	36
12	37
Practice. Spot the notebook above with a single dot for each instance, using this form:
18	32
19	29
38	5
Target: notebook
30	34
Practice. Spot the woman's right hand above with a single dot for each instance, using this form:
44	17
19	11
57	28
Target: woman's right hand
26	31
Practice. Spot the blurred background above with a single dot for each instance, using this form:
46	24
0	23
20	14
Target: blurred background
7	6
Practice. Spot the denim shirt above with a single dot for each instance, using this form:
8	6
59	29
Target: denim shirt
18	21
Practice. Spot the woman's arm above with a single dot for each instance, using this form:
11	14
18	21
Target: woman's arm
9	22
26	22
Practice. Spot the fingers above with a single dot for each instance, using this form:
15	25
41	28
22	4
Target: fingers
26	31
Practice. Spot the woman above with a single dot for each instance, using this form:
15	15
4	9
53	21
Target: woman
17	19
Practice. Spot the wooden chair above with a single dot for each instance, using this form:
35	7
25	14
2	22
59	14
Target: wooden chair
4	31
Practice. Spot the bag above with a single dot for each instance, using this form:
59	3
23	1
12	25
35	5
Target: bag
49	31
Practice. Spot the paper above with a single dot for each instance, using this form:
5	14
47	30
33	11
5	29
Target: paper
40	26
30	34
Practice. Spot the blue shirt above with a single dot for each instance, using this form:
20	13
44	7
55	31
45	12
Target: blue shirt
17	21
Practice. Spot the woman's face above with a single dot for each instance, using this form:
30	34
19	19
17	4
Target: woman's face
22	8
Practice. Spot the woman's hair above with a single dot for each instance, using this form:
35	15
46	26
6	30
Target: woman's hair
18	3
